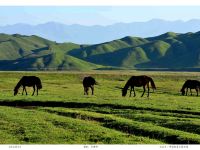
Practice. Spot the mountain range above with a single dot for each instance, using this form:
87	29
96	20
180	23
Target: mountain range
169	50
81	34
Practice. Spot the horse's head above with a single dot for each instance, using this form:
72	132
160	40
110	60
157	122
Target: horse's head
182	91
15	91
124	92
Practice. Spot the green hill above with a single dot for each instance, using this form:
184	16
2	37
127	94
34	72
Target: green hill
169	50
18	52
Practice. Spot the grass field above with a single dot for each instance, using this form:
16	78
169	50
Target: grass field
61	114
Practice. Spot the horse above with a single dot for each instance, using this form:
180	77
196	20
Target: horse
138	81
28	81
89	82
191	84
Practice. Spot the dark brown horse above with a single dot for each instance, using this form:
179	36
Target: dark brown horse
29	81
88	82
138	81
190	84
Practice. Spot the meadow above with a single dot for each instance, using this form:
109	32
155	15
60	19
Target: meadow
62	114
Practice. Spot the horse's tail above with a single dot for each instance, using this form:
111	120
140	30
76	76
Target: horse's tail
39	84
152	84
96	83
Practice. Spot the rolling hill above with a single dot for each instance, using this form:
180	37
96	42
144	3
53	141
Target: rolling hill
19	52
170	50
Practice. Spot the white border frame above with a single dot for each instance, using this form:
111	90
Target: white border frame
99	2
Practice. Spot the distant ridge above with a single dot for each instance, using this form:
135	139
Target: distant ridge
81	34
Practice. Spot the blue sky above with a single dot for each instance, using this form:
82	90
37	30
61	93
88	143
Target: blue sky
94	15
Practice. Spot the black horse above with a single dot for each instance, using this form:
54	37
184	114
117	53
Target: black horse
28	81
191	84
138	81
88	82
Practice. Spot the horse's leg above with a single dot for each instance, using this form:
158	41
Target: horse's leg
87	90
148	89
92	88
197	91
191	91
143	91
84	90
186	91
33	90
130	91
25	90
37	90
134	91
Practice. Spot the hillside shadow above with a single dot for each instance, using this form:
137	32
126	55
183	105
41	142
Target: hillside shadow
115	124
31	104
169	69
18	64
40	49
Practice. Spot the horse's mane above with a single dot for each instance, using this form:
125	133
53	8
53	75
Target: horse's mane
184	86
128	83
186	83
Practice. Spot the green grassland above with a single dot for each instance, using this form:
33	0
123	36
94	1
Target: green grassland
61	114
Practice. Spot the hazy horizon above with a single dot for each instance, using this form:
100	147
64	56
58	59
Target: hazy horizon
153	19
99	23
94	15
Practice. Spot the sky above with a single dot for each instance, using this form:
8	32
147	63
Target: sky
94	15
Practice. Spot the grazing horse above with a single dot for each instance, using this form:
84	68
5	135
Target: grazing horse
28	81
138	81
88	82
191	84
